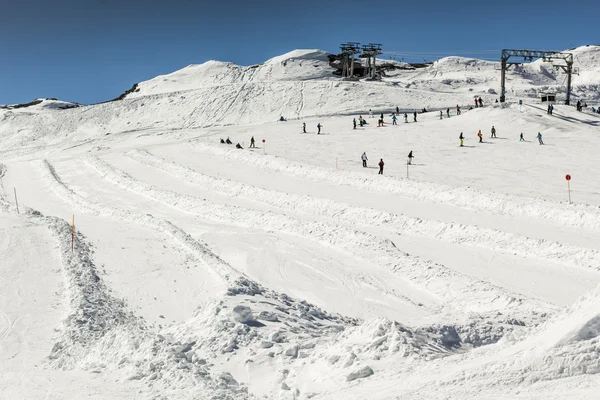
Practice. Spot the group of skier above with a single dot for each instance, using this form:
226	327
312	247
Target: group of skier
239	146
461	137
364	159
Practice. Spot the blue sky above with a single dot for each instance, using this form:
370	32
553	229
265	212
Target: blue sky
90	51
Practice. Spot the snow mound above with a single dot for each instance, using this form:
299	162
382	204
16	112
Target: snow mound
315	54
579	323
42	104
380	338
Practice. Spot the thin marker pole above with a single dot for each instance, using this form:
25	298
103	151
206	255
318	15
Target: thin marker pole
16	201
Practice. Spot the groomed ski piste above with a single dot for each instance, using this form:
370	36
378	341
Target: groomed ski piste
289	271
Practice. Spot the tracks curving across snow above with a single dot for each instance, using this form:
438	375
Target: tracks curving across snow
199	250
449	288
490	239
574	215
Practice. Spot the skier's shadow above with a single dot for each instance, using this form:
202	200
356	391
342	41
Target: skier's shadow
467	146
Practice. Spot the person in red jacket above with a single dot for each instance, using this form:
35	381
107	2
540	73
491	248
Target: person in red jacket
381	164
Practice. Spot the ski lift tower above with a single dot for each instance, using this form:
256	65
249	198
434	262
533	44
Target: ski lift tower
563	61
348	51
371	51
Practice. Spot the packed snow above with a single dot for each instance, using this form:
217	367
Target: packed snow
287	270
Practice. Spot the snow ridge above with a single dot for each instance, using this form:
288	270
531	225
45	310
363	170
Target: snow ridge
576	215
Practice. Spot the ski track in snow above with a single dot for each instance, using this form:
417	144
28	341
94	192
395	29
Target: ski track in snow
449	287
576	215
490	239
212	261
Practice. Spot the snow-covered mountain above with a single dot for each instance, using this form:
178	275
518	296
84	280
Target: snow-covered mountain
299	84
141	258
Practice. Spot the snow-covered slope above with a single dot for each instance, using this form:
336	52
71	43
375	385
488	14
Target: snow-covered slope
290	271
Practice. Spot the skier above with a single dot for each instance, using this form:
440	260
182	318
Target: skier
415	116
228	141
364	159
397	110
361	120
521	138
548	112
551	109
578	105
394	119
238	146
480	136
319	128
252	144
381	164
410	157
476	104
405	118
480	102
370	113
354	123
281	118
441	114
380	122
222	141
381	116
461	137
304	127
448	112
539	137
457	110
493	132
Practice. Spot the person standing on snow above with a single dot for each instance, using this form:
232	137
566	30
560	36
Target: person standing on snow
364	159
394	119
381	116
415	116
405	118
370	113
397	110
441	114
354	123
480	136
304	127
448	112
480	102
457	110
461	137
521	138
319	128
381	164
252	143
493	132
361	120
410	157
539	138
476	104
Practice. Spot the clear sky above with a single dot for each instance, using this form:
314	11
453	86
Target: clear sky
93	50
